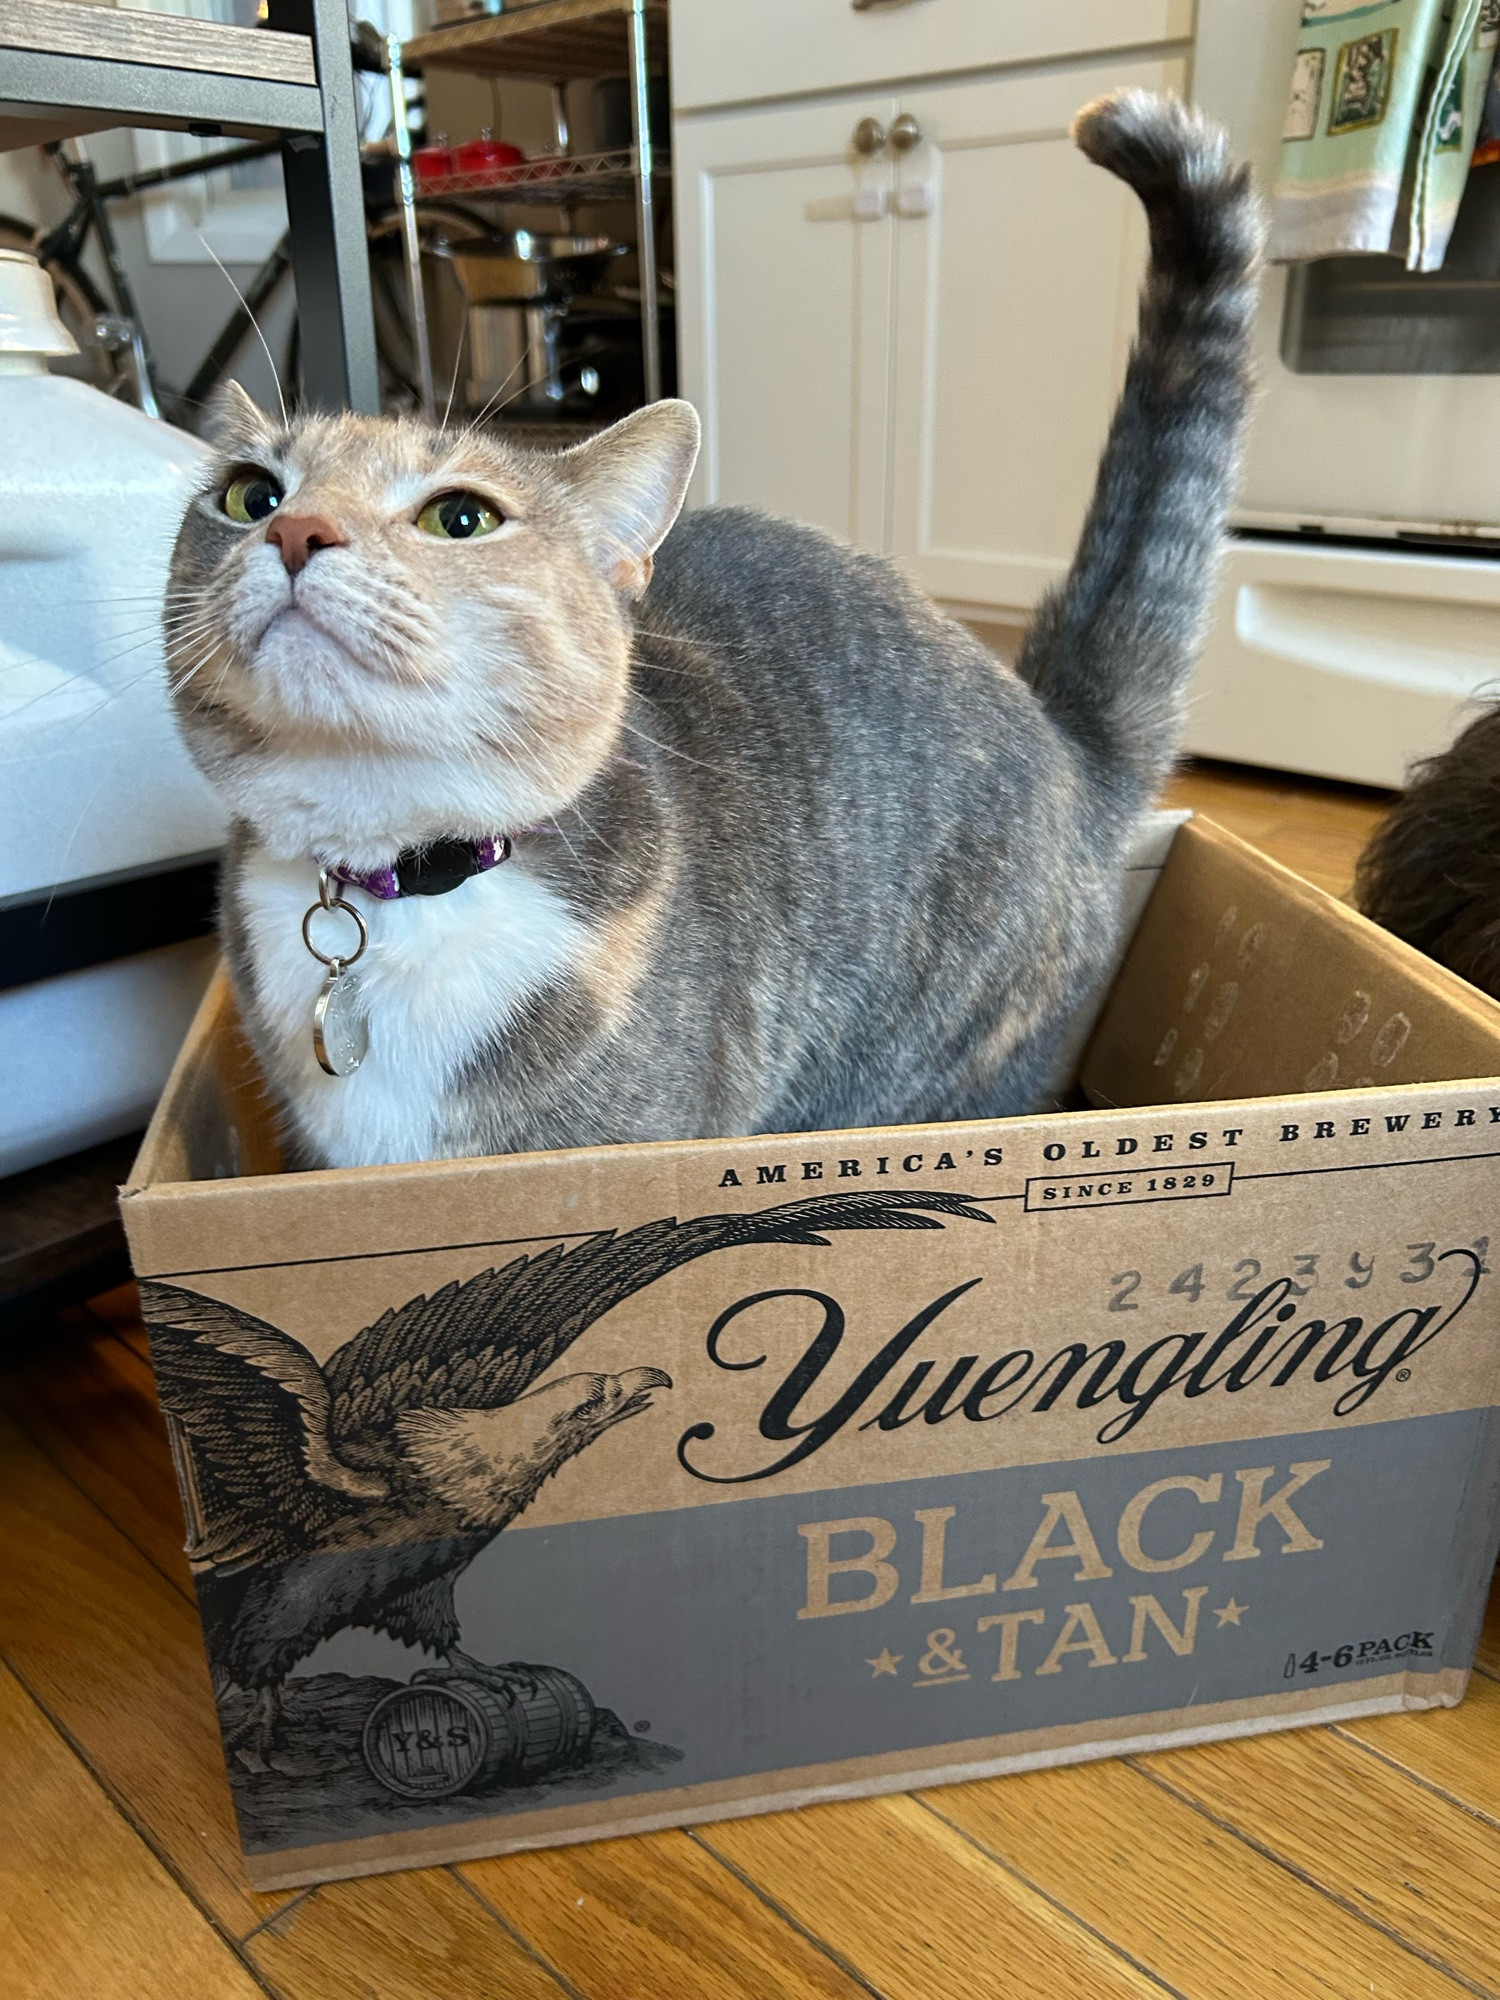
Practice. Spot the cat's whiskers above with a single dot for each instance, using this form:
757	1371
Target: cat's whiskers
140	635
634	729
463	334
187	650
244	307
202	699
471	427
517	747
200	653
157	601
208	646
190	633
667	749
69	688
578	862
519	393
719	647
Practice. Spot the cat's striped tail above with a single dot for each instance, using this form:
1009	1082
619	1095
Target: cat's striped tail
1111	648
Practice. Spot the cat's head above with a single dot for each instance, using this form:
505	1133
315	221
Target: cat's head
380	632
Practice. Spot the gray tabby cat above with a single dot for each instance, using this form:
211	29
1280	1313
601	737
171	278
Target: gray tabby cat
787	849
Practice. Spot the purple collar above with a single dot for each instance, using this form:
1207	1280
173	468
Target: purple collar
427	871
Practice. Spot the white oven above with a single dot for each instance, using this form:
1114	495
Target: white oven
1360	615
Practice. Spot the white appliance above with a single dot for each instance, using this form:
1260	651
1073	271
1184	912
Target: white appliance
107	832
1359	622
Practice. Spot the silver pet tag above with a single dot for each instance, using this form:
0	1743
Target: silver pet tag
341	1034
340	1029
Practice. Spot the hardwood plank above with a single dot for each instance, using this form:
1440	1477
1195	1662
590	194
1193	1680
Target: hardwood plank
120	1310
114	1653
85	1907
90	1403
919	1911
1209	1916
658	1915
401	1937
1457	1750
68	28
1316	828
1361	1830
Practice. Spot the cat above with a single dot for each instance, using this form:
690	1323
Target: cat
746	835
1431	872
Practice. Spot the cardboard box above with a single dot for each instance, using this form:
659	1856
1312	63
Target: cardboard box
933	1452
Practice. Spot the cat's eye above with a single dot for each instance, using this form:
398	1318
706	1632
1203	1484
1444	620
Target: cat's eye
458	517
251	496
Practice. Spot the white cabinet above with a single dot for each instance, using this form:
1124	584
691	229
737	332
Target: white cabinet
787	48
916	350
784	318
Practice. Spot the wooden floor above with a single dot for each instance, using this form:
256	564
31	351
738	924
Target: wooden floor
1318	829
1351	1861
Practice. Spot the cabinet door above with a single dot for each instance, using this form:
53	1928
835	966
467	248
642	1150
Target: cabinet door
784	311
784	48
1015	309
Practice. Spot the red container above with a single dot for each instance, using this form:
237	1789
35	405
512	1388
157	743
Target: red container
431	163
485	155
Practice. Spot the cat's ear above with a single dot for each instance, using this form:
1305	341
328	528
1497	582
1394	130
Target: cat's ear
235	421
631	481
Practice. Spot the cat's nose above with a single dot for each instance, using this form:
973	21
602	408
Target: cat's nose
300	536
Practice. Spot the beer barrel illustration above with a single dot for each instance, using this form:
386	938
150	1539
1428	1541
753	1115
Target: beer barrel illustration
450	1733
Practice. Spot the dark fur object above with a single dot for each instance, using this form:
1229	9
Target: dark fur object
1431	873
792	851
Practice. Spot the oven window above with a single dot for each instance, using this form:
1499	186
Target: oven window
1371	316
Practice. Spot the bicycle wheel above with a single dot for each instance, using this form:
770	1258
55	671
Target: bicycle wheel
438	225
79	305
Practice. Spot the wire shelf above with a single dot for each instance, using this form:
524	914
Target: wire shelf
553	40
583	177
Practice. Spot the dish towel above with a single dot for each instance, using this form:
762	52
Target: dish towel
1487	147
1357	116
1450	130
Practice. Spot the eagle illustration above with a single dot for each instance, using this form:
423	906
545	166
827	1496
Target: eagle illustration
354	1494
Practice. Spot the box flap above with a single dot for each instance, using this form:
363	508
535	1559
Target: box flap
215	1120
1243	980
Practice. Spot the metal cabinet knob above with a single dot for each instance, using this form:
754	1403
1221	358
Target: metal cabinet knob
905	133
869	136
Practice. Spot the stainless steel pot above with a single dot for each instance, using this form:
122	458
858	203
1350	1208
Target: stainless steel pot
523	268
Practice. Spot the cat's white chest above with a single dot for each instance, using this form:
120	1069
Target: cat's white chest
440	978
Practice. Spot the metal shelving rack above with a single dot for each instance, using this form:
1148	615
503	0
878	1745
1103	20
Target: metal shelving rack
556	42
67	69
